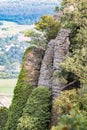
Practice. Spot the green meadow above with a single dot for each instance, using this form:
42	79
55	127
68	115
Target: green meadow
7	85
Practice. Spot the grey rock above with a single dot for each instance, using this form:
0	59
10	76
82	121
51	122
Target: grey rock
60	51
58	15
55	54
46	71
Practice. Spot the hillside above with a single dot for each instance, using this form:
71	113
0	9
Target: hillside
12	40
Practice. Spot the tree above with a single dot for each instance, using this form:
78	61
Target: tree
72	105
49	26
72	108
76	62
68	2
37	38
3	117
36	114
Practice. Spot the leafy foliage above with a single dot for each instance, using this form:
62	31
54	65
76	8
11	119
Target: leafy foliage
76	61
36	115
72	107
3	117
65	102
73	120
49	26
37	38
64	2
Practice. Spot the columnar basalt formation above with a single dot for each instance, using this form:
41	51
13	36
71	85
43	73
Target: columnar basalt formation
55	54
40	69
32	65
46	71
60	51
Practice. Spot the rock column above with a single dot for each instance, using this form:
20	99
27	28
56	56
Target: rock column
46	72
60	51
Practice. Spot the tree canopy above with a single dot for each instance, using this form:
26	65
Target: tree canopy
49	26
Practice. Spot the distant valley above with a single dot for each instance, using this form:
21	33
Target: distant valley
26	11
15	17
12	47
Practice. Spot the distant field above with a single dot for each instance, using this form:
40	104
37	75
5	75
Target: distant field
7	85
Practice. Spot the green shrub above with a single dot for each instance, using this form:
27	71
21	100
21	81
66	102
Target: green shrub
21	93
72	108
3	117
48	25
36	114
72	121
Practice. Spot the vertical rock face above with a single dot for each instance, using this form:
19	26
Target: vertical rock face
60	51
46	71
55	54
39	71
47	75
32	65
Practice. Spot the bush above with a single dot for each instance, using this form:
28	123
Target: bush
72	121
67	101
48	25
21	93
36	114
72	108
3	117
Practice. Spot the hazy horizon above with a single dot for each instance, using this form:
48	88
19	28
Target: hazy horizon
26	11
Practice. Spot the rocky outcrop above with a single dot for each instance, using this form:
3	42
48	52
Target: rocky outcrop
55	54
46	72
32	65
58	15
27	81
60	51
39	69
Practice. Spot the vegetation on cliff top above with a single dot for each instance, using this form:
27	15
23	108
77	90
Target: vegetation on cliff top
49	26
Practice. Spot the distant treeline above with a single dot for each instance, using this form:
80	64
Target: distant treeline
21	19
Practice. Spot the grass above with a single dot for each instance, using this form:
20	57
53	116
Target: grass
7	85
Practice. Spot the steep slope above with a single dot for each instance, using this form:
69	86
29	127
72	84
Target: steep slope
39	71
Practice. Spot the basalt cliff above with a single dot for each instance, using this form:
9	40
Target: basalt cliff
40	68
